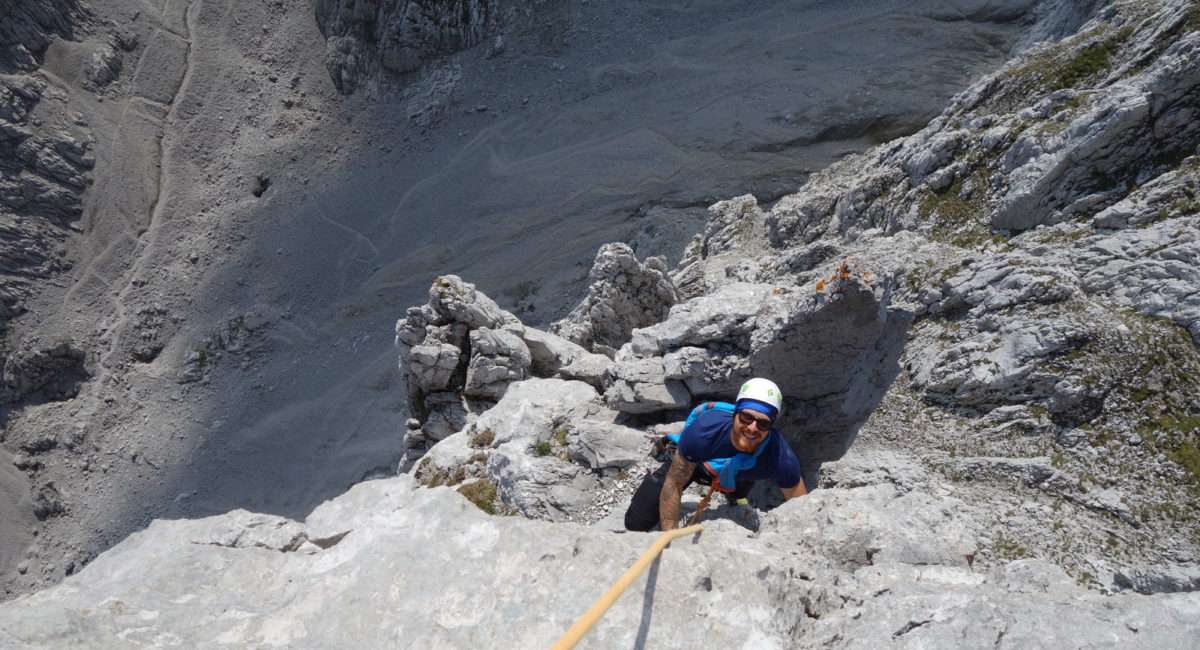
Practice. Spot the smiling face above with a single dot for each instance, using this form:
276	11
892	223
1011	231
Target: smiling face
748	430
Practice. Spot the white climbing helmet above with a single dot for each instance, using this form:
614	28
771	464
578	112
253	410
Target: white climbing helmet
760	395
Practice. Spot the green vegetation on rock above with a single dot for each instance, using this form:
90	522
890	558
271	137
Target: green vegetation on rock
482	493
480	439
1092	60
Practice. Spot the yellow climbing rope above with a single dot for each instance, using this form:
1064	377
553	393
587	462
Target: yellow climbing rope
597	610
703	504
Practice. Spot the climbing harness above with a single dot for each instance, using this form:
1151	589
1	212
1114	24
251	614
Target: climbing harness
597	610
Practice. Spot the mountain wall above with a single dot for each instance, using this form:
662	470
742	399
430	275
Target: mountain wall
389	562
205	242
986	334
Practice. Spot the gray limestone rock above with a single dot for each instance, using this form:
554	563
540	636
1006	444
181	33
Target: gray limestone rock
57	367
30	25
555	356
833	351
639	386
448	412
45	167
1161	580
1034	472
550	352
1004	367
243	529
719	256
370	41
105	65
1002	282
1153	268
540	487
458	301
498	358
877	524
1035	576
725	315
599	445
862	468
704	371
411	330
891	573
932	156
623	294
432	366
526	444
594	369
462	342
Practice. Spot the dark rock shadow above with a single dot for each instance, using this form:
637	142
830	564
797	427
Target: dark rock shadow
647	604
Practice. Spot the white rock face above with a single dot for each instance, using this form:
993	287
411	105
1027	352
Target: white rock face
833	351
623	294
1026	329
547	446
498	358
389	562
640	386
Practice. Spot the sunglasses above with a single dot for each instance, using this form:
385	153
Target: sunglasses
764	424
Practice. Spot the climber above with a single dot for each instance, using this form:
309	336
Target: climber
728	445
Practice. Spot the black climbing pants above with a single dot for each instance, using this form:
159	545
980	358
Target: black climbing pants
642	514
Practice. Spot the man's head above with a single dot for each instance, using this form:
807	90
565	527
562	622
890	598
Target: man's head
758	403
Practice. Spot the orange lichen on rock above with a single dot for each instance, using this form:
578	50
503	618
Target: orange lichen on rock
847	270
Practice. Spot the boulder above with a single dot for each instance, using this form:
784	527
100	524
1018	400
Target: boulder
640	386
600	445
706	371
542	444
623	294
460	302
594	369
498	358
431	365
550	352
721	317
56	367
542	487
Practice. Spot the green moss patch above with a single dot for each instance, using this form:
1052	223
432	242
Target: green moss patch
1091	61
482	493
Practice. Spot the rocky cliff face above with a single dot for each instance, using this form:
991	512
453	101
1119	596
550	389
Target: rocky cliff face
1019	309
182	335
44	167
373	42
986	335
389	562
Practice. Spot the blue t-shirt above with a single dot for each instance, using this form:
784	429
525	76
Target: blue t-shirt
707	438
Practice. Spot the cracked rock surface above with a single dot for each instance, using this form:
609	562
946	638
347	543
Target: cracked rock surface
982	318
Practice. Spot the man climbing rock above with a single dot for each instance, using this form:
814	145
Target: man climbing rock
728	445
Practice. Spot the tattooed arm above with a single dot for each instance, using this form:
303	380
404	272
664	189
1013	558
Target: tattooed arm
668	500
